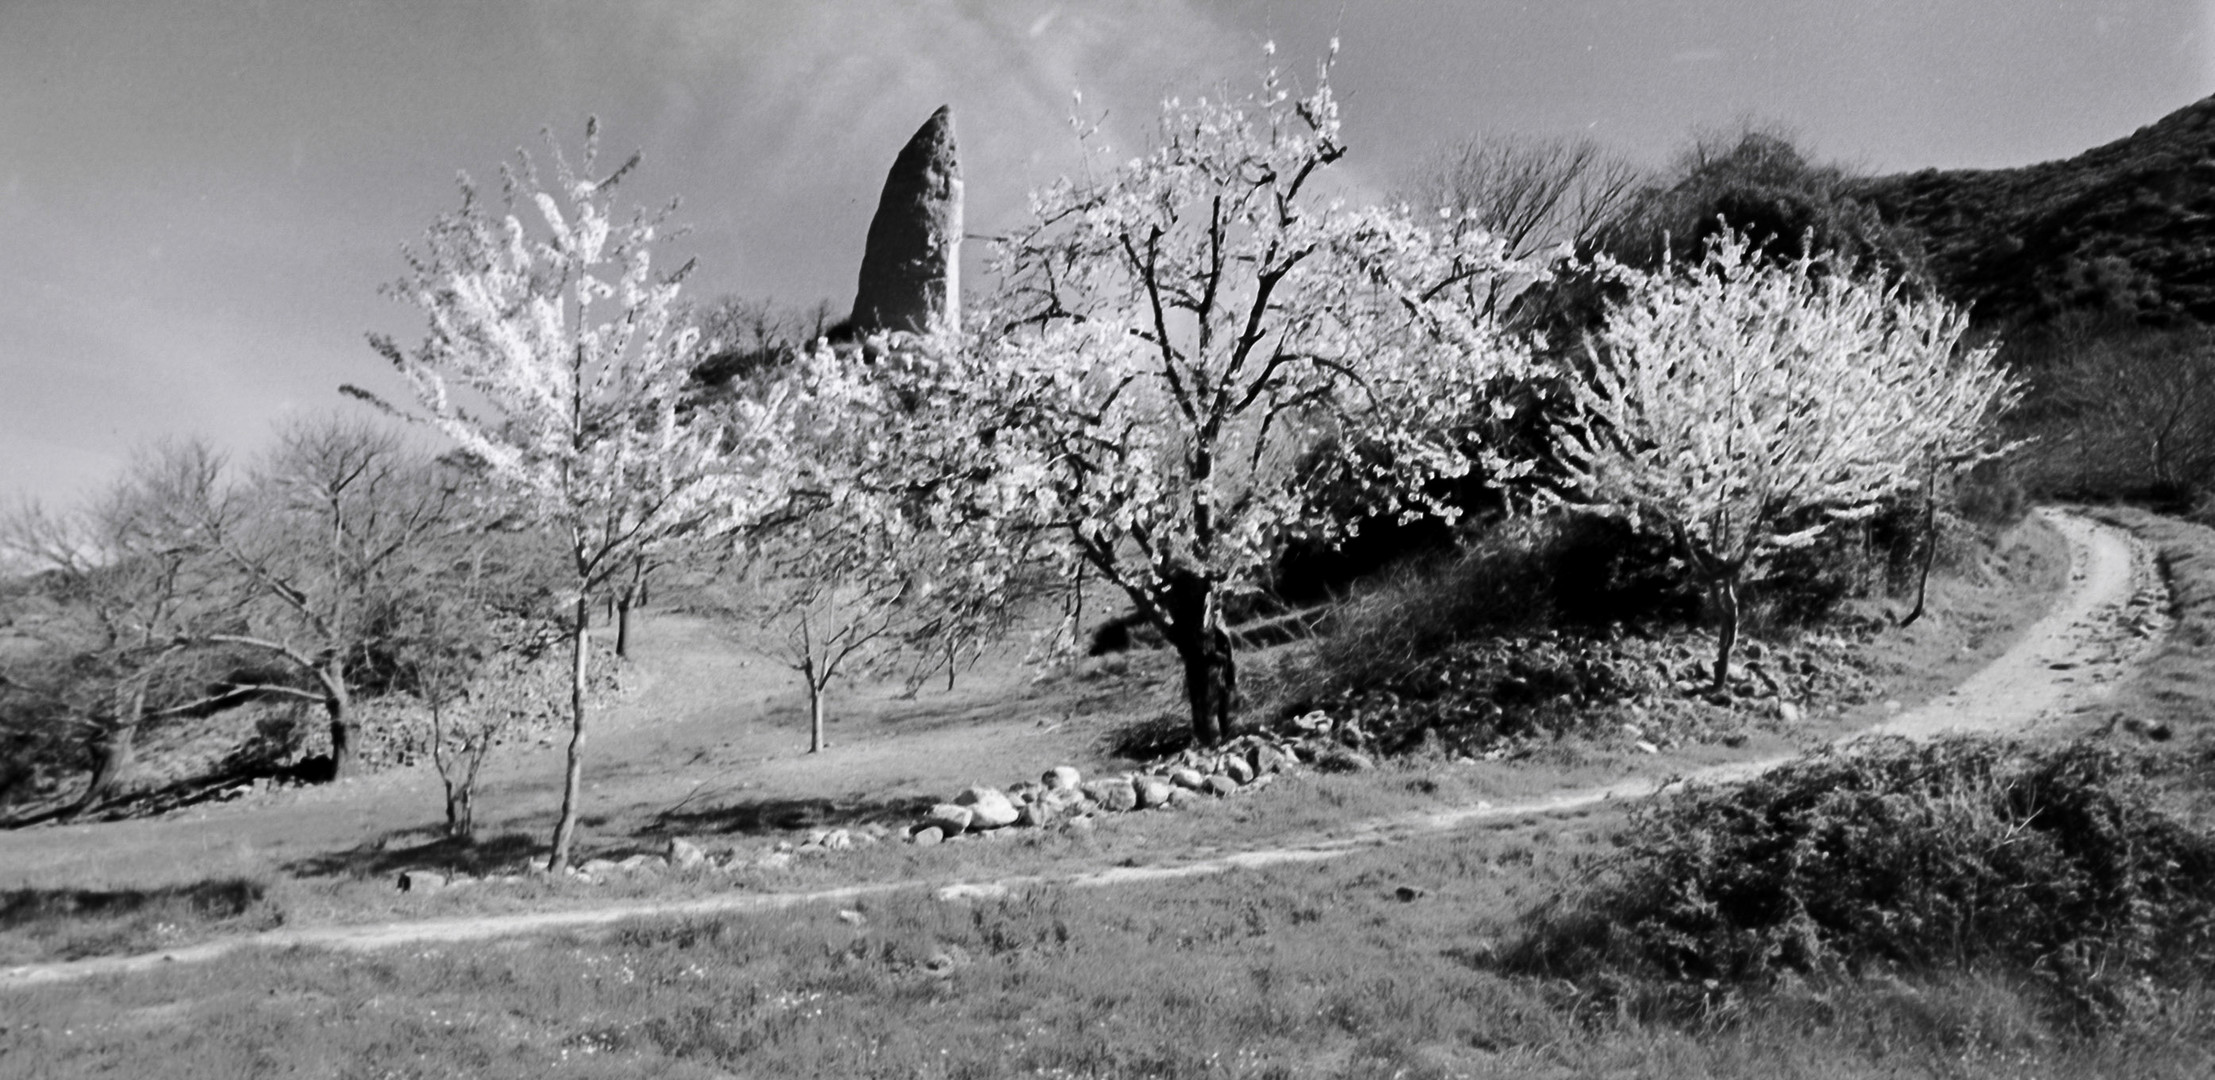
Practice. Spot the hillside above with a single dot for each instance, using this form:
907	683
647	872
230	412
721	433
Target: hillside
2125	229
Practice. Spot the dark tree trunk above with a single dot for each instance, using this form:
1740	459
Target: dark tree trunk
1725	591
1210	668
623	605
461	809
816	714
572	779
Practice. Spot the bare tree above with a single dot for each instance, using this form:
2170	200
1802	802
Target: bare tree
2140	406
1537	194
327	536
131	590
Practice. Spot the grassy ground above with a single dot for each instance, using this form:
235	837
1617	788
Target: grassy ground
1378	964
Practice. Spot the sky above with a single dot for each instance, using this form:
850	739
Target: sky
199	199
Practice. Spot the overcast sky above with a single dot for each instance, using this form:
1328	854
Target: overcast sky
200	198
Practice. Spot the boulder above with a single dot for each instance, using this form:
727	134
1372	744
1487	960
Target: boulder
1152	791
1185	776
1220	785
684	854
927	835
988	809
952	819
1061	778
1180	796
911	265
1114	796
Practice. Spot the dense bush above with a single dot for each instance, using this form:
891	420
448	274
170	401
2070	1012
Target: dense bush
1892	856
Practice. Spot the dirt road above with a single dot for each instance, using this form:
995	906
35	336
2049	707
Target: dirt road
2101	626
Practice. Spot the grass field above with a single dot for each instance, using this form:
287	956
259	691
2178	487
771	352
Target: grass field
1382	963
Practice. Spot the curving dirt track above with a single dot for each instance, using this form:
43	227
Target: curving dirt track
2098	630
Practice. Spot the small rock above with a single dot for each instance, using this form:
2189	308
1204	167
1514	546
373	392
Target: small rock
1267	760
988	808
684	854
600	867
1035	815
952	820
1082	823
1180	796
925	836
1788	712
1238	769
1220	785
1061	778
1114	796
852	918
1408	894
946	961
1152	791
1645	747
1892	706
775	860
643	863
1336	758
838	840
1185	776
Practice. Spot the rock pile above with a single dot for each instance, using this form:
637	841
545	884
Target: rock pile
1063	797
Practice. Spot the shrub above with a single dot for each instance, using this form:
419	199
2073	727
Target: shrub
1892	856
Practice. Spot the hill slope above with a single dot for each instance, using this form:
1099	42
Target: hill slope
2126	229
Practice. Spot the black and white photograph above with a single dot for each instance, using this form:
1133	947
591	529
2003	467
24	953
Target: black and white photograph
1212	539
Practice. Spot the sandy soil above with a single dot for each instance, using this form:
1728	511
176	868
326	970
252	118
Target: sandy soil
2105	621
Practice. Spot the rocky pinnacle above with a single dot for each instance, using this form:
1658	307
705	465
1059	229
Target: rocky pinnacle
911	269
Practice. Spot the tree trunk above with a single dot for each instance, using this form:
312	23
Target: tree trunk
345	726
815	715
113	757
623	606
1210	668
566	830
1930	551
1726	615
461	809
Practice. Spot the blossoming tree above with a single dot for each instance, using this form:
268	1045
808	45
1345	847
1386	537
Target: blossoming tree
1730	400
553	359
1200	341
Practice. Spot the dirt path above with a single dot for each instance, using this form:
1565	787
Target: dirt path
2110	615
